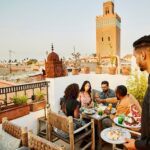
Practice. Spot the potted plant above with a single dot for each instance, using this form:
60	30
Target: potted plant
38	101
126	70
20	100
17	109
85	69
113	62
137	85
75	63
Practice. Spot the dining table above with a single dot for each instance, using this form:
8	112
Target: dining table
93	113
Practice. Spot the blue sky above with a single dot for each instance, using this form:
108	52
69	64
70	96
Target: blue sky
28	27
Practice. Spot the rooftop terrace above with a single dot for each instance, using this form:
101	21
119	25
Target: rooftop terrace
55	90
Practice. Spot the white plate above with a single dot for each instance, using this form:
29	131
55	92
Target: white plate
102	107
89	111
126	126
124	134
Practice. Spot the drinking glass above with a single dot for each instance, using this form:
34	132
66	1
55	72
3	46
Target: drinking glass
120	119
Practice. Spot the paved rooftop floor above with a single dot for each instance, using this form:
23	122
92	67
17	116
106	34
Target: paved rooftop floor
106	146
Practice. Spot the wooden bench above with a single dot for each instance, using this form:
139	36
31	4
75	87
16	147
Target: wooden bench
37	143
15	131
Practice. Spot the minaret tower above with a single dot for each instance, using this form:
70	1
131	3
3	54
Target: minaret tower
108	31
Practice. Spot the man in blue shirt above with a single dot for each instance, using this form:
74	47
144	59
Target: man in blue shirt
106	93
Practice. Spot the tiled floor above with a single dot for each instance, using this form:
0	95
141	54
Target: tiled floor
106	146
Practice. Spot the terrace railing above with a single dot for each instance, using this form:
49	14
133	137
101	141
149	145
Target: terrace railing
28	89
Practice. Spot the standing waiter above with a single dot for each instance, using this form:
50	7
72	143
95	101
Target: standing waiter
142	54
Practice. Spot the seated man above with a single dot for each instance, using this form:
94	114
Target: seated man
124	101
106	93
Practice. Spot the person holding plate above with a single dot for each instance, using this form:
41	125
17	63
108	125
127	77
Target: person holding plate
142	55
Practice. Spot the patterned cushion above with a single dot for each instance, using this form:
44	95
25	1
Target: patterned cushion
8	142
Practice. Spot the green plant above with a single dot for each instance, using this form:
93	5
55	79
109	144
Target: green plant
20	99
137	85
39	96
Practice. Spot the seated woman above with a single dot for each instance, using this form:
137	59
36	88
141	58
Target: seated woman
85	94
69	104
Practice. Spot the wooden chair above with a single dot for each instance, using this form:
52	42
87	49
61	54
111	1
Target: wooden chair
15	131
65	124
37	143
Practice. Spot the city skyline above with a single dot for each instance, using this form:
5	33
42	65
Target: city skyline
28	27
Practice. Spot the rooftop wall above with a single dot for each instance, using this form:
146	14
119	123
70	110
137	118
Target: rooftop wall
58	85
56	90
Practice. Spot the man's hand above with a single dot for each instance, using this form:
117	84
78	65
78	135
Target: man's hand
112	116
100	100
130	144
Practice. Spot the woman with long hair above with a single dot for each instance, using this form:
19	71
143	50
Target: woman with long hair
69	104
85	94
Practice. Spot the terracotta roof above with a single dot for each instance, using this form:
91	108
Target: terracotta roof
6	84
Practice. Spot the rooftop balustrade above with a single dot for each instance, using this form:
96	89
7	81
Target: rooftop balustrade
28	89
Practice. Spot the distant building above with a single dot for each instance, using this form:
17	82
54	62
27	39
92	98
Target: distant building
108	31
53	66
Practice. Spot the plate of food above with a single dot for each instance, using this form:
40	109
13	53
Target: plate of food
106	108
115	135
102	107
128	122
89	111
